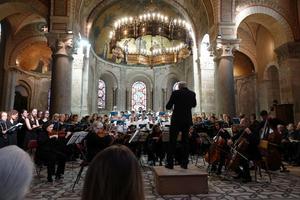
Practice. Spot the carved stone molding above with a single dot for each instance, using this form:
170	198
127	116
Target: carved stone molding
225	47
60	43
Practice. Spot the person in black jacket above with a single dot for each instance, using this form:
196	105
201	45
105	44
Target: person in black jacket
182	101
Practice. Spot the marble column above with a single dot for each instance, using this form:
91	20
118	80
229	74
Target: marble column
224	80
61	80
289	61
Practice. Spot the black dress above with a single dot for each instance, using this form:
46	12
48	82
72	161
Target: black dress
49	154
29	134
3	136
95	144
12	134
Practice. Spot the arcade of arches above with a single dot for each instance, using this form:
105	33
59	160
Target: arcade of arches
55	54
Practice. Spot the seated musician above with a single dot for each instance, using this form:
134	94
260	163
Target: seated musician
249	139
97	140
221	138
154	143
49	153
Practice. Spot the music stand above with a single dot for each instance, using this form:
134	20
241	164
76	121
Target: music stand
77	138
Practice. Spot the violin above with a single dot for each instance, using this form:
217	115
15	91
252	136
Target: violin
60	134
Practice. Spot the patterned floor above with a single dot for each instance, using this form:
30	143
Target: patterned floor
283	186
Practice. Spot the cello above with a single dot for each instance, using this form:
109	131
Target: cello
213	154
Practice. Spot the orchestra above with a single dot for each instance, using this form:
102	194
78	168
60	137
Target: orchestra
226	145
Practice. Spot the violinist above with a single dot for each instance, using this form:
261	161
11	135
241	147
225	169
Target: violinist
48	153
221	140
97	140
154	144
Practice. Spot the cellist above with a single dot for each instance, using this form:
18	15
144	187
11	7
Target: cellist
221	140
247	149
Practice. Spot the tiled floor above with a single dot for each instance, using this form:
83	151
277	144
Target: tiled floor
283	186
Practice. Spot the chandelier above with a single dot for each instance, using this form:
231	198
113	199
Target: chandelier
150	39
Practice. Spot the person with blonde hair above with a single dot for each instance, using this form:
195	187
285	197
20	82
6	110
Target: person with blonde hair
16	170
114	174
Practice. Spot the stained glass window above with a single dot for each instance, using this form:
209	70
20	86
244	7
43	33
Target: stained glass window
101	94
139	95
175	86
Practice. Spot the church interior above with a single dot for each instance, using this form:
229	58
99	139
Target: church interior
118	62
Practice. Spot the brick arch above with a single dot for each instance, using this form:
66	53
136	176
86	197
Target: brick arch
32	6
282	27
30	19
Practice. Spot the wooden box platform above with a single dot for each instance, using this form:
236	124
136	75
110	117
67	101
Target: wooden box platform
180	181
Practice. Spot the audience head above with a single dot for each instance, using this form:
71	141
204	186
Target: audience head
46	114
16	170
290	127
181	85
298	126
97	126
252	117
4	116
24	113
114	174
13	114
264	114
34	112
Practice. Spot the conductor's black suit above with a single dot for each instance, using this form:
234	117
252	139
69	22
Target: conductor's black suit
181	101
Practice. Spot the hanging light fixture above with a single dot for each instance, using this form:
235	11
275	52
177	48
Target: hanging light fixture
169	39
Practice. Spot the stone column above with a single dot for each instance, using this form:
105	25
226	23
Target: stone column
224	80
61	80
289	70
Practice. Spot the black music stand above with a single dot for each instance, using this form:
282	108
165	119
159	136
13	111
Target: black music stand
77	139
140	137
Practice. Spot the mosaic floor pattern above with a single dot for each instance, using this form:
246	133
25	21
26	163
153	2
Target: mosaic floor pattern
283	186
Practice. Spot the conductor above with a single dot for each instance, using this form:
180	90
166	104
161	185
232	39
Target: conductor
182	101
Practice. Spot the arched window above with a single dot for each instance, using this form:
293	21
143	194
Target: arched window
139	95
175	86
101	94
206	58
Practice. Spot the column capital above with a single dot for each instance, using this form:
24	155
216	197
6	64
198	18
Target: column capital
225	47
288	50
61	43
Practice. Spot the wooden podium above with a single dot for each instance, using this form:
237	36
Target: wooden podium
180	181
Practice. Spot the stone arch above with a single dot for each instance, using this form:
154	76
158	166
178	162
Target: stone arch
271	80
33	6
269	18
149	85
23	94
111	84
